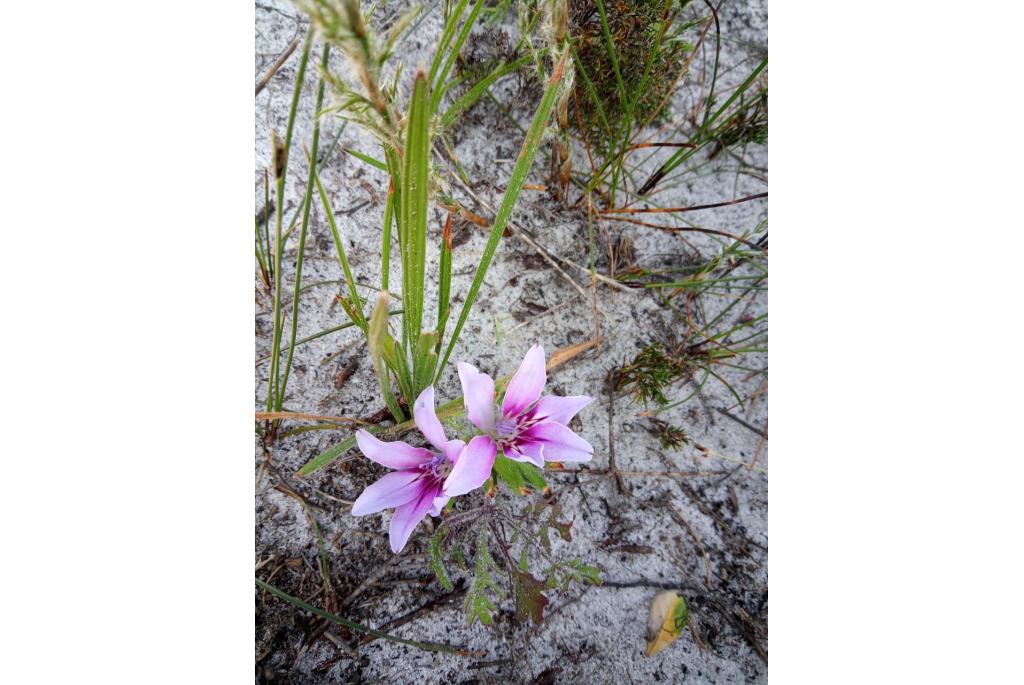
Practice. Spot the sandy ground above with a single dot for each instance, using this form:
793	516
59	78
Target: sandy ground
708	534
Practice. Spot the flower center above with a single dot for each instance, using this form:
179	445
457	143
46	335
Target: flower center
506	428
439	466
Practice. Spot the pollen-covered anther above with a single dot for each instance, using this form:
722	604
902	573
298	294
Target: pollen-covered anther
439	466
506	428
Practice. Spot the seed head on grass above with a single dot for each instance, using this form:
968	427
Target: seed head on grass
340	23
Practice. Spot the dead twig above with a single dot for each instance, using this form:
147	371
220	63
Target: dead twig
436	603
681	520
743	423
278	63
612	468
599	276
489	664
638	474
376	576
349	651
695	229
542	314
673	210
302	416
757	454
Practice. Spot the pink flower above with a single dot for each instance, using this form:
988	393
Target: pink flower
419	485
527	427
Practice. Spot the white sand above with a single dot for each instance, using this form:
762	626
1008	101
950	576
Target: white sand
590	635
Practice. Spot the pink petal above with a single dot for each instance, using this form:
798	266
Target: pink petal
526	384
472	468
560	409
558	442
392	490
408	516
452	450
426	419
438	505
529	452
394	455
478	394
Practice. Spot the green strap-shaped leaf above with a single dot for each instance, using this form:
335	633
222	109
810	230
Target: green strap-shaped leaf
445	286
357	309
414	206
508	202
446	37
321	460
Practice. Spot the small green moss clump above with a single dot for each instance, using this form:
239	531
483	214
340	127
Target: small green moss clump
650	374
634	27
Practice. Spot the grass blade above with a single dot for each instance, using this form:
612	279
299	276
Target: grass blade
325	458
508	203
280	173
446	37
307	206
266	217
367	158
611	53
469	98
591	91
360	318
327	331
701	136
441	85
358	627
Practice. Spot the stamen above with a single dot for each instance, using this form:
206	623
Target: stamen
439	466
506	428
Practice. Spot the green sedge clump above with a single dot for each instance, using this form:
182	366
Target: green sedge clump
648	62
748	126
650	374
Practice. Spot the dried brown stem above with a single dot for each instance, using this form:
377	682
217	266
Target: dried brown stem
278	63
